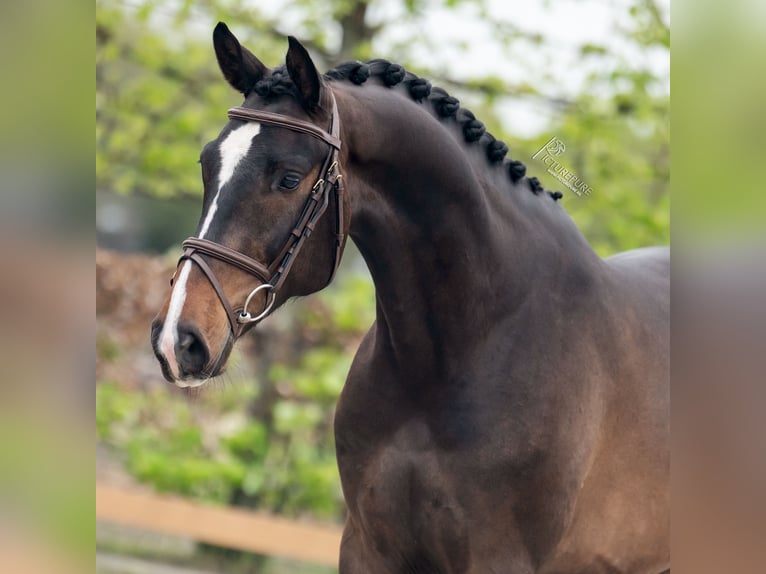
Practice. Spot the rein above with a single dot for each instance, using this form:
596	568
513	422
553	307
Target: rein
273	275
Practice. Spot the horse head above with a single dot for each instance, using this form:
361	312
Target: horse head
268	178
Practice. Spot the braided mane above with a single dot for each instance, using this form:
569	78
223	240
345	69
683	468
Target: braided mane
447	107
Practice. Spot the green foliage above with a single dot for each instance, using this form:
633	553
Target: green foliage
216	450
319	377
159	98
220	455
163	445
633	188
348	302
619	144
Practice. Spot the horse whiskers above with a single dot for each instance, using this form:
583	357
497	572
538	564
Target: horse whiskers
208	374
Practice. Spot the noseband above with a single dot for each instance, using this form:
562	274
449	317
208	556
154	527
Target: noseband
273	275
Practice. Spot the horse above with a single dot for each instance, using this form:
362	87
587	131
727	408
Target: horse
508	410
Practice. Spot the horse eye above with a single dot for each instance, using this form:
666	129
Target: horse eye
290	181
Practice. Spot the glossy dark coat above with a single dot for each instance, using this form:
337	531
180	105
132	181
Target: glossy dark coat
508	411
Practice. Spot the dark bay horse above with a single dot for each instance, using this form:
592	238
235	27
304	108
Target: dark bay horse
508	411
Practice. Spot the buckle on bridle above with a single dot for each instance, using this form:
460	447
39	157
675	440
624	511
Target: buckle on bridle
332	177
245	317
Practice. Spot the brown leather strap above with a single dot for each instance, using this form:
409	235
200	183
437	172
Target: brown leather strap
334	176
229	256
205	268
340	229
248	115
316	206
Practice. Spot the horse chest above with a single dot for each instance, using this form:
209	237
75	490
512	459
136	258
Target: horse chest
407	503
432	489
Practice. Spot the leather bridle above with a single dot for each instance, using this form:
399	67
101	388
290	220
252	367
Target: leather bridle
273	275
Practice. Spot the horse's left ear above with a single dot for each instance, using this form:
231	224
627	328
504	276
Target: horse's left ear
304	74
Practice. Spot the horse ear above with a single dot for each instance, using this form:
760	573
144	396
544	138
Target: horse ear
239	66
304	74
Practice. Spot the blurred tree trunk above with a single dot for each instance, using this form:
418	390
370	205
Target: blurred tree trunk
356	31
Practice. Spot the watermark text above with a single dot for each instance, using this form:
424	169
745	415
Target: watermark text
547	154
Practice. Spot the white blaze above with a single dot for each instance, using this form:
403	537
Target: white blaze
232	150
170	328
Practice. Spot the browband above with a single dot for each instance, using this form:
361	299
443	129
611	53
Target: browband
273	119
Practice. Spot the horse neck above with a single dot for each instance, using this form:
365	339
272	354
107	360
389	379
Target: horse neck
451	245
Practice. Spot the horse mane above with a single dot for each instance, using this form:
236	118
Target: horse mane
446	107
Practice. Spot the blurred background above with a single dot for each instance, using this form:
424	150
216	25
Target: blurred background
594	74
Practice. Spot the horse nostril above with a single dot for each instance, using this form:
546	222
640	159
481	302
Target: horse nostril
191	351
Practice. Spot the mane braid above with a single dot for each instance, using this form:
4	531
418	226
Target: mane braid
278	83
446	107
